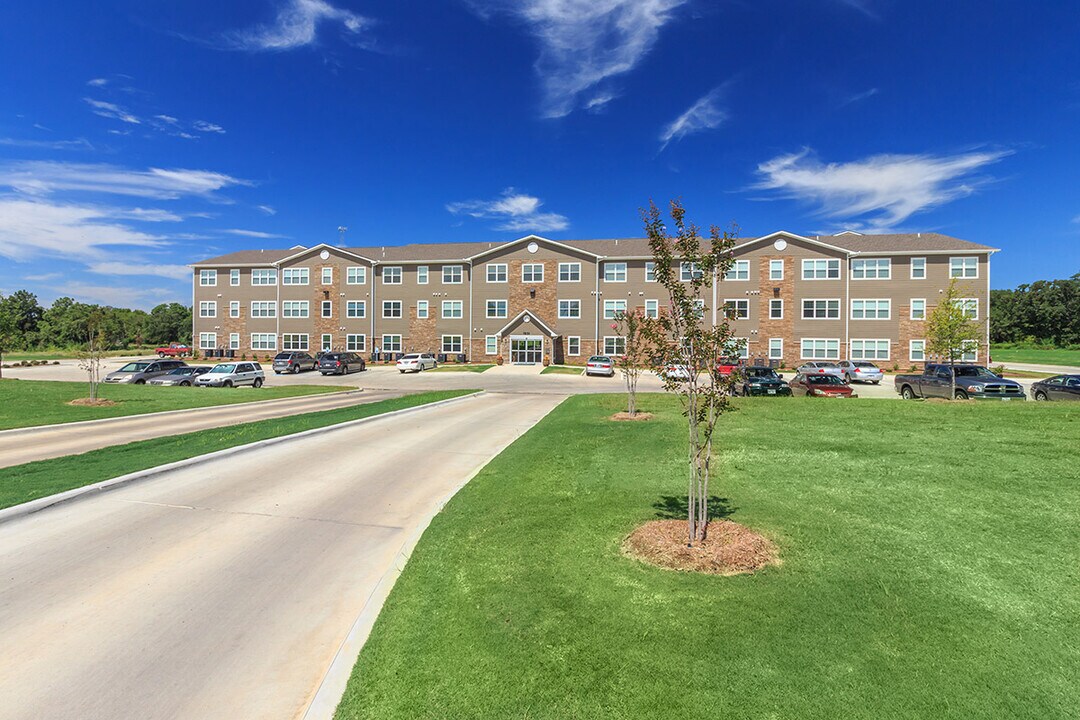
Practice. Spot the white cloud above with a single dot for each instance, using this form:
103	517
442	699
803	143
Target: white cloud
168	119
44	177
585	43
207	127
267	209
43	278
147	215
857	97
516	211
252	234
295	26
111	110
79	144
97	82
173	272
31	229
704	114
880	191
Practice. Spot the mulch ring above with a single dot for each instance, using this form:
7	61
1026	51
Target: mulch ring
627	417
728	549
87	402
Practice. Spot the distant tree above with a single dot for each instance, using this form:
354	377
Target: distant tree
169	322
950	330
26	313
632	325
90	358
7	331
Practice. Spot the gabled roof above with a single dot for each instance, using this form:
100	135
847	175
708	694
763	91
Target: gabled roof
532	316
321	246
784	234
533	238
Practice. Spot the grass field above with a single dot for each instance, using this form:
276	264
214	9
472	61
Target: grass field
462	368
919	579
1036	356
561	370
22	483
24	403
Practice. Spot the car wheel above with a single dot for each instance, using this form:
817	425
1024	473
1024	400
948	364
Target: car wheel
847	378
277	372
227	383
258	383
344	369
161	355
961	395
140	382
876	382
295	369
907	393
185	383
314	367
1040	396
401	371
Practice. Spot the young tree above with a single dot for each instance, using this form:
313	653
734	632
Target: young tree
950	330
632	325
686	265
90	358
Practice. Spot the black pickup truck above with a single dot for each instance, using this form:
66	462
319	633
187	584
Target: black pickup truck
972	381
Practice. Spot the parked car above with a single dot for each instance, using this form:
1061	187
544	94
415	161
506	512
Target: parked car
861	371
1059	387
416	362
675	371
761	380
294	362
139	371
231	374
814	385
600	365
341	363
183	376
820	367
173	350
725	366
972	381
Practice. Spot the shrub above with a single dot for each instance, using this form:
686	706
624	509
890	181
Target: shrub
498	359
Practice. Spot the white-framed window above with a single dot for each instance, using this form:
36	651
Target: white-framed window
870	349
614	345
491	345
496	308
820	269
208	341
208	308
917	350
776	348
613	307
776	309
357	342
687	271
871	309
421	274
964	267
871	269
614	272
451	343
742	346
327	343
264	341
971	351
263	309
776	269
740	270
294	308
421	309
264	277
570	272
573	345
327	308
652	308
569	309
918	309
918	268
451	309
828	309
532	272
355	275
234	308
736	309
295	276
355	308
208	278
234	341
970	306
391	343
496	272
699	308
650	271
820	349
391	275
452	274
294	341
391	308
327	279
234	277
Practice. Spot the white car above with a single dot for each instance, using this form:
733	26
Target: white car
415	362
232	374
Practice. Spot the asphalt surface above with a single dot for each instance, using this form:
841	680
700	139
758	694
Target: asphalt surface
224	590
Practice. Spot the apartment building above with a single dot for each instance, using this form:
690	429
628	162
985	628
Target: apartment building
791	298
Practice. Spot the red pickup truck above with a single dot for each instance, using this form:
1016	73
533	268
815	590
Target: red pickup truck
173	350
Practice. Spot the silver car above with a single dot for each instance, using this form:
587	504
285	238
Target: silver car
600	365
416	362
860	371
182	376
232	374
820	367
139	371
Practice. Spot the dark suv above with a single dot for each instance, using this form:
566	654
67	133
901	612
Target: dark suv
341	363
294	362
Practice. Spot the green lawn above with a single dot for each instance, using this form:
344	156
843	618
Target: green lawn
22	483
1037	356
462	368
24	403
562	370
919	579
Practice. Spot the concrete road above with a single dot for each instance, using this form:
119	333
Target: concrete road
224	590
24	445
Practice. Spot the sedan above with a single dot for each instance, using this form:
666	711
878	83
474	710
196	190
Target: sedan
294	362
761	380
232	374
416	362
821	386
1059	387
675	371
600	365
341	363
138	372
820	367
861	371
180	376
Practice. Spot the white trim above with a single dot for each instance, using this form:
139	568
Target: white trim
656	309
426	307
614	264
400	309
459	304
781	315
911	268
888	348
792	236
911	348
363	342
400	274
735	269
364	276
533	265
911	309
460	344
426	274
604	310
963	277
461	274
802	308
776	261
496	316
569	300
505	272
569	340
964	302
614	337
302	273
736	301
306	342
527	238
272	339
351	304
321	246
804	356
491	344
571	264
877	308
263	306
537	321
877	268
839	269
769	349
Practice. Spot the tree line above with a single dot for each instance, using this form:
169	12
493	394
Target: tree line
1046	312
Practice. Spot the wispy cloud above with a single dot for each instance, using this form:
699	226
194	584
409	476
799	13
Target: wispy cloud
207	127
267	209
296	25
112	111
516	212
97	82
586	43
78	144
145	116
31	229
173	272
704	114
880	191
859	97
44	177
252	234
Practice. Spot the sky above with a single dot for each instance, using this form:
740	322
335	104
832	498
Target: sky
137	136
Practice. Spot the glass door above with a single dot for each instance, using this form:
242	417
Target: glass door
526	351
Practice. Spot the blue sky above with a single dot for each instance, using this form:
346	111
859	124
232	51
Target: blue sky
140	135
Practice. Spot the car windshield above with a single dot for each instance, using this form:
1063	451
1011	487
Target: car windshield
182	371
975	372
134	367
228	368
824	380
762	373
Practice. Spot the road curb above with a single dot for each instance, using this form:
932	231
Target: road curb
35	506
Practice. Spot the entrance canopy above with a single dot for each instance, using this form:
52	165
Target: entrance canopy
524	323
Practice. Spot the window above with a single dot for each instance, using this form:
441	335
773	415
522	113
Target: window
871	309
613	307
451	274
208	278
569	272
263	309
820	309
264	277
963	267
294	341
451	309
918	309
234	277
569	309
918	268
496	272
820	349
294	276
496	308
327	308
776	348
355	308
451	343
391	275
421	309
207	341
699	308
573	345
234	341
234	309
421	274
356	343
776	269
355	275
327	343
917	350
650	272
739	271
614	272
870	349
263	341
970	306
391	343
871	269
491	345
615	345
391	308
327	279
652	308
776	309
820	269
737	309
742	346
971	351
532	272
208	308
294	308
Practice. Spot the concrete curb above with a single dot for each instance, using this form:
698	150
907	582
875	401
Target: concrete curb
332	688
36	506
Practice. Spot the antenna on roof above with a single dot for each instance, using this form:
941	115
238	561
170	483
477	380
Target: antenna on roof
341	230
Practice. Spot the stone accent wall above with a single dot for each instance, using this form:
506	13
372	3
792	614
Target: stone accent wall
546	303
330	325
423	335
231	325
784	328
909	330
